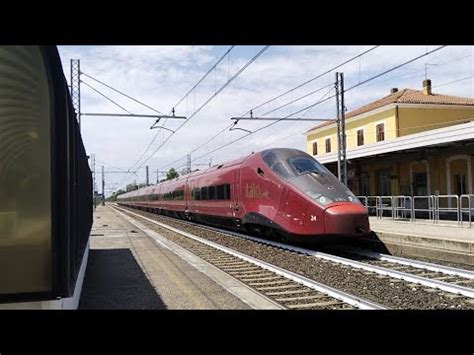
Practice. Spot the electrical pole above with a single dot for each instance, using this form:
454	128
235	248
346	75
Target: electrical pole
338	124
157	176
188	163
76	88
93	180
341	129
147	177
103	187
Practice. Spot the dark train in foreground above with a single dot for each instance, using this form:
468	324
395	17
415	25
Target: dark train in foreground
282	192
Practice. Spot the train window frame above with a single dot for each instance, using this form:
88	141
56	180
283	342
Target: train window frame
212	192
291	163
197	194
227	191
220	192
204	193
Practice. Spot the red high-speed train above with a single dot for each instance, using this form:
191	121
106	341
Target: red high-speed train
282	192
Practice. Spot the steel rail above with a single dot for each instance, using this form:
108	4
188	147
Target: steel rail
415	263
444	286
330	291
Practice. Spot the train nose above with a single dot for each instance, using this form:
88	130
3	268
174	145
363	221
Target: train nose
346	219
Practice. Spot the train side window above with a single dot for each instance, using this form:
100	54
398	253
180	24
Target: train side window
197	194
227	191
212	192
204	193
270	158
220	191
281	170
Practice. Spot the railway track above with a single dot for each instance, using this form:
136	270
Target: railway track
288	289
448	285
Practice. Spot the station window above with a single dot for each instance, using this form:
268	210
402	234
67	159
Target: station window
315	148
380	132
328	145
360	137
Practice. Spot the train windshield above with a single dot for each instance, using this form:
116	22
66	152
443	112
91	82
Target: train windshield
304	165
307	175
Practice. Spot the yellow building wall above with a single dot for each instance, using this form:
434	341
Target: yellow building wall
414	120
367	123
401	182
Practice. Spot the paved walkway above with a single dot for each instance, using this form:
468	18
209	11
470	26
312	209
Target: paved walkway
444	241
128	270
442	230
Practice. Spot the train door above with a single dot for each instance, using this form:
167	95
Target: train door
186	196
292	207
235	195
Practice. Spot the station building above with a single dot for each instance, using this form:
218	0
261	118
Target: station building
410	142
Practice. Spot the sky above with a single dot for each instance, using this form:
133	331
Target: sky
160	76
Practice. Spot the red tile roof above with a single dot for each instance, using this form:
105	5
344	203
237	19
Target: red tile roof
406	96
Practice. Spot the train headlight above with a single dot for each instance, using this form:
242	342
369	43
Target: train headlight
323	200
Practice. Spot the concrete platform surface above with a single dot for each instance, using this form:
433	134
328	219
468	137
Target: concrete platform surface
128	270
443	241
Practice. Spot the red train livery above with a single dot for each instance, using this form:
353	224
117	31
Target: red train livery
283	192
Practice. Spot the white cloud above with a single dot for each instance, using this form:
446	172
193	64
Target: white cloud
161	75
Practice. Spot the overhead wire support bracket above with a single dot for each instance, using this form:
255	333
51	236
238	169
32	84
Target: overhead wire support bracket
153	127
239	129
282	119
172	116
121	115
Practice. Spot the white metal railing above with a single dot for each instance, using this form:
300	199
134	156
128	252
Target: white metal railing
447	209
401	205
407	207
385	206
430	208
468	209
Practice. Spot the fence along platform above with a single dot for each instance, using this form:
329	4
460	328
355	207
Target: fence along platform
435	207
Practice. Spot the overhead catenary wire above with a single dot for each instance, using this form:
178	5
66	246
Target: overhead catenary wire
417	71
204	76
313	105
229	126
122	93
452	82
395	68
266	126
326	99
312	79
105	96
207	101
281	95
181	100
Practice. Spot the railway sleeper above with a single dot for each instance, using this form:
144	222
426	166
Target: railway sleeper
291	299
313	305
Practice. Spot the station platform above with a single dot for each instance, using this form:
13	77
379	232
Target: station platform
446	241
130	268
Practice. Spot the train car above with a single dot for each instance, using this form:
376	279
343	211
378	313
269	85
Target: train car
276	192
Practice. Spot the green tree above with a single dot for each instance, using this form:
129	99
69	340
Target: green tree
171	174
